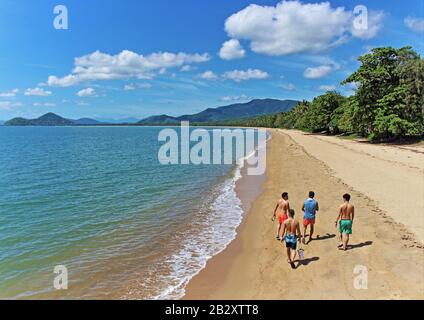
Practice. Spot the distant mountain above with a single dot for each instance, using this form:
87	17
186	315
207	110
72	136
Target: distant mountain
87	122
162	119
117	121
250	109
50	119
237	111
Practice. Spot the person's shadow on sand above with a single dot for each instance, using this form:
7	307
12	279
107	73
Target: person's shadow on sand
359	245
305	262
326	237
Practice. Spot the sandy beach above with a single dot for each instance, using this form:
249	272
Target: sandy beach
387	188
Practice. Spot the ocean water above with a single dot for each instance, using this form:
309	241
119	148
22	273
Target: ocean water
97	201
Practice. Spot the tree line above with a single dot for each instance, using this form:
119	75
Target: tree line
388	103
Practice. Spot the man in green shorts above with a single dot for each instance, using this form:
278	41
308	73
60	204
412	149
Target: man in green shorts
345	221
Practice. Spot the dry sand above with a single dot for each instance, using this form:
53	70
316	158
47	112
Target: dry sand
390	175
254	265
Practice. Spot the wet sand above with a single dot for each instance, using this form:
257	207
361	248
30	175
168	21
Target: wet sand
254	265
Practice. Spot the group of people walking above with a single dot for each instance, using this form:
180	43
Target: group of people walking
289	228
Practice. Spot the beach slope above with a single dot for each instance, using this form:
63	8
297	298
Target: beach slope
383	247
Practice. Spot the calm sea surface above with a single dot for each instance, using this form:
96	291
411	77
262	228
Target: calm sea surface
97	200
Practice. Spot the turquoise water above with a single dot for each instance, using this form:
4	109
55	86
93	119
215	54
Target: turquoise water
96	200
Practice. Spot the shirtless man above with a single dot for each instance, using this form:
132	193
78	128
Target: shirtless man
283	207
291	234
346	216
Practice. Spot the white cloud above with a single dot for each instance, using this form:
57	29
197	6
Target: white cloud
318	72
37	92
82	104
135	86
9	94
129	87
289	87
350	88
415	24
327	88
67	81
127	64
294	27
187	68
88	92
235	98
371	28
46	104
231	50
241	75
209	75
8	105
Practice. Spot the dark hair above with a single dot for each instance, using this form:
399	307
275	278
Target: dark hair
291	213
285	194
311	194
346	196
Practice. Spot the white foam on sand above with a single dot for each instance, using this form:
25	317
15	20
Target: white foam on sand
216	228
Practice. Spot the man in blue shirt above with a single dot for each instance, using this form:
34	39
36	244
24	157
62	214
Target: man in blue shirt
310	208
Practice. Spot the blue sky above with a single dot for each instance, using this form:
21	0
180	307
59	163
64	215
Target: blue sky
139	58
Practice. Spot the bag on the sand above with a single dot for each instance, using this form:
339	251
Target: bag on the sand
300	253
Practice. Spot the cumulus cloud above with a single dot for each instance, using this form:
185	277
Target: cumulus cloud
187	68
9	94
209	75
243	75
46	104
127	64
231	50
236	75
88	92
317	72
37	92
67	81
415	24
294	27
369	26
235	98
135	86
327	87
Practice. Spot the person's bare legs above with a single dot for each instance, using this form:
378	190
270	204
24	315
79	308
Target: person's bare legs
304	234
288	255
293	255
278	232
346	242
312	232
340	240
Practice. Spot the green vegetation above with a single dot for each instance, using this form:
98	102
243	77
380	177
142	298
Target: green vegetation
235	112
387	105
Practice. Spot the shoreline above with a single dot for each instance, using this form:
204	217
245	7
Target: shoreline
248	189
253	265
